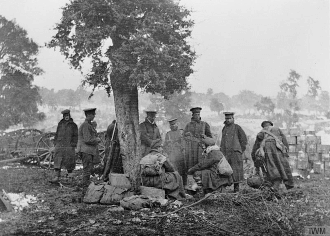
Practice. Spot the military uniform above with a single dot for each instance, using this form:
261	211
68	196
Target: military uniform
149	135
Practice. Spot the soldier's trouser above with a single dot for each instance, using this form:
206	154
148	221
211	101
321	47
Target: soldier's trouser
87	161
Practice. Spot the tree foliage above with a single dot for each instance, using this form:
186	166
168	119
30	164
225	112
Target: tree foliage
176	106
19	99
265	105
216	105
148	52
313	87
245	99
148	43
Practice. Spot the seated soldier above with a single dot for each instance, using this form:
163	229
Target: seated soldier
207	169
158	172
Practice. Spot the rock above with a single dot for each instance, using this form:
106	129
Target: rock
115	208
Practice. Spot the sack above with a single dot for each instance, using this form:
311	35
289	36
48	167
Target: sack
191	183
224	167
94	193
151	164
255	181
260	157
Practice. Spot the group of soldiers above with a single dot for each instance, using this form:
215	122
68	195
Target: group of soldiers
70	140
184	149
188	150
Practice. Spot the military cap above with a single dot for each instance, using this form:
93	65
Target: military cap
89	110
265	122
151	112
66	111
229	113
195	109
171	121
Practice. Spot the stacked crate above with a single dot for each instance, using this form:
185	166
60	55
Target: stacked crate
312	148
294	148
325	158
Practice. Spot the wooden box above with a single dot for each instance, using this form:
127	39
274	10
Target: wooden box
293	148
295	131
302	165
311	139
324	148
317	167
311	148
309	132
313	156
291	139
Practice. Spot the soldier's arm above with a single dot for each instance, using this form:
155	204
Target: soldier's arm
213	158
242	138
74	140
88	137
143	135
56	134
284	140
208	130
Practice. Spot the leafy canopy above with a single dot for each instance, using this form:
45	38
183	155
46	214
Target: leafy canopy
148	46
19	99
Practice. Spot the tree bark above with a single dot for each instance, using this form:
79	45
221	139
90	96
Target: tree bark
127	114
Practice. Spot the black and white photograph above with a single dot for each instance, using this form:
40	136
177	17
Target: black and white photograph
164	117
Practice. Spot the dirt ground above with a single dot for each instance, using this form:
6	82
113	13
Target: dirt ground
58	210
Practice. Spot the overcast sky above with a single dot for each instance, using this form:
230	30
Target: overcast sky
241	44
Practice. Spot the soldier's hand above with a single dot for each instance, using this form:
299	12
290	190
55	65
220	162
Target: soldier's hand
188	134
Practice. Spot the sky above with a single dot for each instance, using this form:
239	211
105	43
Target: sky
241	44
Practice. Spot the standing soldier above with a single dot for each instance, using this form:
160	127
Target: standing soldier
233	144
88	145
65	142
149	133
173	146
194	131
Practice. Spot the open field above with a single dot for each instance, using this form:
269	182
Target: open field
251	212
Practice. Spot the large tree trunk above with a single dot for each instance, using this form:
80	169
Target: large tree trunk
127	114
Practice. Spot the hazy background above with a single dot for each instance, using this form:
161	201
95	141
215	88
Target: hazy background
242	44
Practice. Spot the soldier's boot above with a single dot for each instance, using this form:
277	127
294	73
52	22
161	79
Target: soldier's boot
57	177
276	185
70	177
236	188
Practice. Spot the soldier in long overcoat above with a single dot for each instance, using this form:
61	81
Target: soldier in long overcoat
194	131
88	145
275	165
233	144
173	147
149	133
65	142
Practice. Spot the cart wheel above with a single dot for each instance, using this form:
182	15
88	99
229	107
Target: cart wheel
24	146
101	145
44	149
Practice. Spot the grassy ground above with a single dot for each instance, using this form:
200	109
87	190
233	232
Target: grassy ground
252	212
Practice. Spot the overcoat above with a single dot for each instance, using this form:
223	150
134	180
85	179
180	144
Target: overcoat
193	151
233	144
276	163
65	142
149	134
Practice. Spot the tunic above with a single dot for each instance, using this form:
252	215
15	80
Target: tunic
233	144
149	134
173	146
65	141
193	150
87	141
276	163
207	169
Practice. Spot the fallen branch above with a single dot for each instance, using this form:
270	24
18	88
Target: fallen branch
14	160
